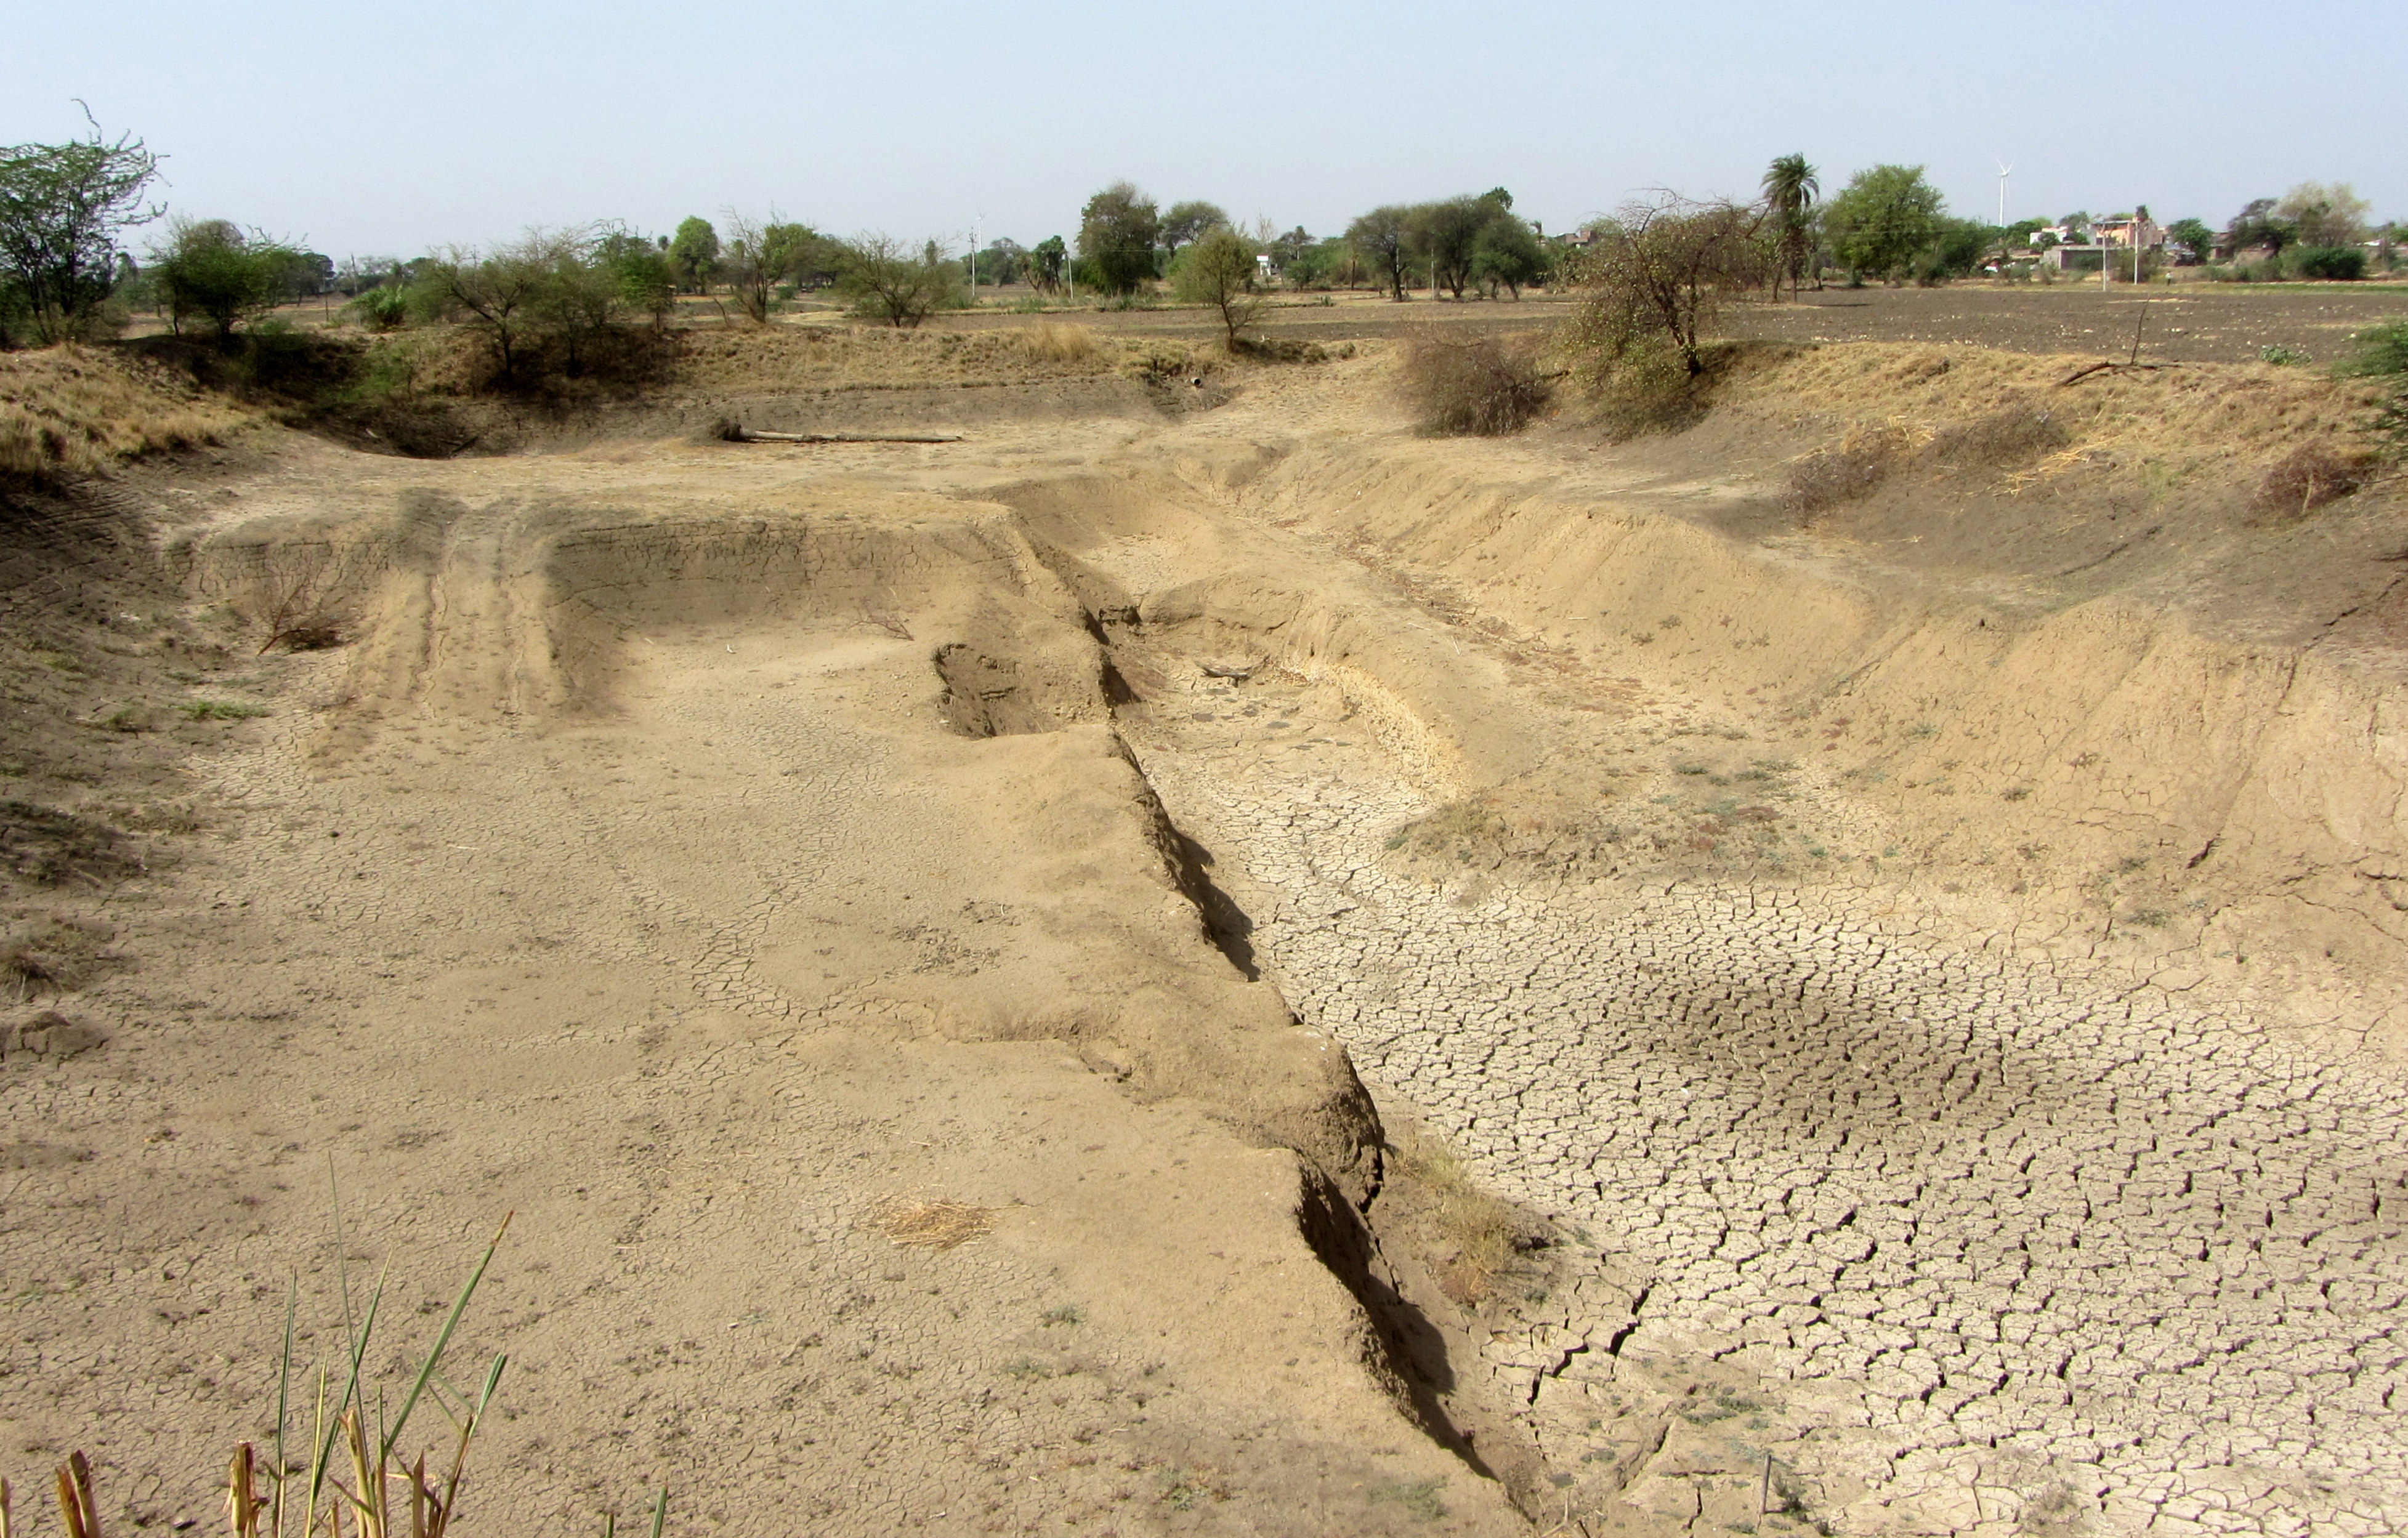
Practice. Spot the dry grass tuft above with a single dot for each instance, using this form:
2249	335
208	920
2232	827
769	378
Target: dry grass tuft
2306	478
930	1225
1481	387
1058	344
53	954
78	411
1478	1235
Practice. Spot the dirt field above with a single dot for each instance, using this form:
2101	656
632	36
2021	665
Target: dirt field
2186	323
1195	961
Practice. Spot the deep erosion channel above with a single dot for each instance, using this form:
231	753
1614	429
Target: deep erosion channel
1979	1243
1852	1224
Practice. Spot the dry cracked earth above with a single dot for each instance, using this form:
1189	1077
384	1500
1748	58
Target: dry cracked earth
702	906
2003	1244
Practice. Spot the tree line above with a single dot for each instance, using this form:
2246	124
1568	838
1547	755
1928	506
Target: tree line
66	272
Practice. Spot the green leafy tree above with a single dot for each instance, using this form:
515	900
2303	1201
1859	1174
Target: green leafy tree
1442	239
2192	236
1956	249
694	254
1049	264
641	275
1790	188
760	258
887	280
62	207
1506	253
212	271
1188	222
579	301
1383	238
499	293
1220	270
1324	264
1885	221
1003	261
1117	231
2259	227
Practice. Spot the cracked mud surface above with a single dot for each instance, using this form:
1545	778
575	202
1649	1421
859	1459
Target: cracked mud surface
1983	1233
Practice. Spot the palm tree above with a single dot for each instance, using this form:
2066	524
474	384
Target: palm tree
1789	193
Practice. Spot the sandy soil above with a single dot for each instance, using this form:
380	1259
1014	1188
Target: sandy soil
710	852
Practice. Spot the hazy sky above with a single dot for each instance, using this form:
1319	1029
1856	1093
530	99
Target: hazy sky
391	129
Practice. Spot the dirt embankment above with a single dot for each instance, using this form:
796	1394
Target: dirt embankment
2080	681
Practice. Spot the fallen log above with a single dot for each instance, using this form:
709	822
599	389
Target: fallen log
750	436
732	431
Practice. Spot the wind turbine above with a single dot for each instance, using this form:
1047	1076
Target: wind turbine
2006	168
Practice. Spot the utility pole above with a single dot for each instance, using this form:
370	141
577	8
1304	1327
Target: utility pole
974	266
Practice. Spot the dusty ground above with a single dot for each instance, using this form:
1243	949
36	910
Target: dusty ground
1932	1010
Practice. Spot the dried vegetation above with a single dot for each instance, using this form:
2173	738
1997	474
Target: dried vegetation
2297	438
1473	1238
1475	387
81	410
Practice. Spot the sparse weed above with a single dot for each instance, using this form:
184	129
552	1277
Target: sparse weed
1478	1234
1419	1497
224	710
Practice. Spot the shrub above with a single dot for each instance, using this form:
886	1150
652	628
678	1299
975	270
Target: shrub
1649	389
1484	386
2379	351
1860	462
2282	356
887	281
2306	479
214	271
385	307
2331	263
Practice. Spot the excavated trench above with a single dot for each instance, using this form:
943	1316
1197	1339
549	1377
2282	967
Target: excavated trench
1848	1221
1846	1225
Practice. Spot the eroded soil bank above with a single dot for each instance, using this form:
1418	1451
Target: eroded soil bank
1930	1015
